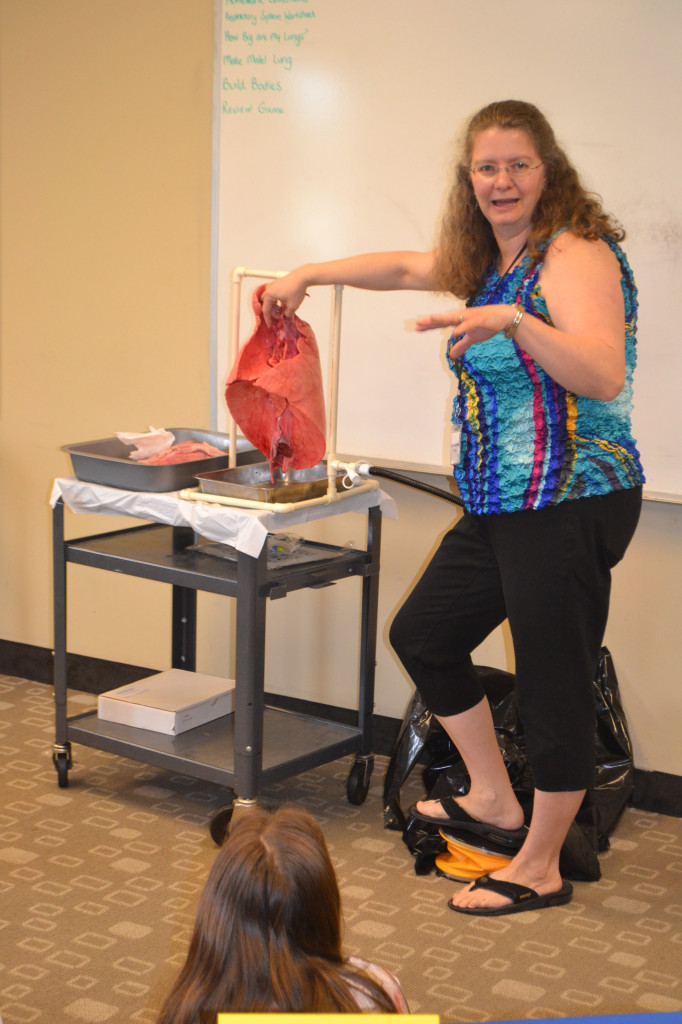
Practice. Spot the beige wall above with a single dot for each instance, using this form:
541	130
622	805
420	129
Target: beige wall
106	212
105	263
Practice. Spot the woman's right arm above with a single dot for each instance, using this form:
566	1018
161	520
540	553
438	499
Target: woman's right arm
377	271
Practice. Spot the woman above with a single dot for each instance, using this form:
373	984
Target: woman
267	935
549	473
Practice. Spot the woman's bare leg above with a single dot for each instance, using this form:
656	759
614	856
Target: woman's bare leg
490	798
536	865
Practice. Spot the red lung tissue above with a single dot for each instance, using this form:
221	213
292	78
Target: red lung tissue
185	451
274	391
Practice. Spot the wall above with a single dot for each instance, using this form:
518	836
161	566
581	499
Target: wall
105	263
106	193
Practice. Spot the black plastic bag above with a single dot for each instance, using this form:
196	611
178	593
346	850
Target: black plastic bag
421	738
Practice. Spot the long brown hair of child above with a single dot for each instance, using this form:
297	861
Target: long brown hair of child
267	934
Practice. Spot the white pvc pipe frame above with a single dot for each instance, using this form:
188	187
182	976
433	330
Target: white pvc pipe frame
333	465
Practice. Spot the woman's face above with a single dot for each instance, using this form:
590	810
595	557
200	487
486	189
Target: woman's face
507	203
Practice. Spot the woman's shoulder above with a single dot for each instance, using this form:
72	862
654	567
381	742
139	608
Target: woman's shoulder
568	249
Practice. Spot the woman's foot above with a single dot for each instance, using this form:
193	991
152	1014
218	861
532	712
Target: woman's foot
504	812
542	884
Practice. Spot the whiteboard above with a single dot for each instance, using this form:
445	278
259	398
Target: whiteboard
335	130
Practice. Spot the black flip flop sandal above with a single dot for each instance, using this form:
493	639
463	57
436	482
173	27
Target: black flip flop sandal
521	896
510	838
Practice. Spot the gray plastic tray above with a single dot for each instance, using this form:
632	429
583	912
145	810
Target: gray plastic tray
108	462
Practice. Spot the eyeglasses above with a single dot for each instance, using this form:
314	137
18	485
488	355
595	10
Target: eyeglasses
516	170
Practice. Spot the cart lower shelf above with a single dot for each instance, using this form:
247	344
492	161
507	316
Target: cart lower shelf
292	743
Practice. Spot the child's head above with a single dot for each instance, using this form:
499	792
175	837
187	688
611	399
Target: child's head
273	885
267	934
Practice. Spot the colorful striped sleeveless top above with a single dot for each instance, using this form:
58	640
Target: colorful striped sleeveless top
526	441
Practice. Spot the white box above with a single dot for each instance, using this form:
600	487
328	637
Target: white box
170	702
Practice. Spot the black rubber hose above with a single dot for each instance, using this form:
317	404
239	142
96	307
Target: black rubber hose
390	474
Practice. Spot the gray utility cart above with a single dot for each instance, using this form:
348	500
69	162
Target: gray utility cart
255	743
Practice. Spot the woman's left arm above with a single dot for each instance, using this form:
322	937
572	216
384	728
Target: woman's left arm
584	350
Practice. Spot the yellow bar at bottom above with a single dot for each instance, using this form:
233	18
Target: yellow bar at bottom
325	1018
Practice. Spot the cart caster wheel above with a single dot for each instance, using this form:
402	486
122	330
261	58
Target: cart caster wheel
220	824
357	786
62	761
223	819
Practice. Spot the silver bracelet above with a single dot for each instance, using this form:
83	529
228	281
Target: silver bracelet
510	331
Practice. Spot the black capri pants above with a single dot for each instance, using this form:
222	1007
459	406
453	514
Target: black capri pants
549	572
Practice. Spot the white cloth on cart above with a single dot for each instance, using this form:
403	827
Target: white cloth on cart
244	529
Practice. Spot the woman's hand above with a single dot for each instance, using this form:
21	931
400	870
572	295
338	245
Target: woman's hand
283	296
471	324
583	349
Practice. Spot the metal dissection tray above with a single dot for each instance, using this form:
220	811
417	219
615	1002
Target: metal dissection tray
252	482
108	462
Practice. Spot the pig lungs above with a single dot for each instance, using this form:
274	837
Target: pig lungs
274	391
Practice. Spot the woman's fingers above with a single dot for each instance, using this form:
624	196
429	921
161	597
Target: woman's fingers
270	307
282	298
274	307
435	320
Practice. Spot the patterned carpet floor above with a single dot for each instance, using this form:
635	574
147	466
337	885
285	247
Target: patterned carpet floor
99	883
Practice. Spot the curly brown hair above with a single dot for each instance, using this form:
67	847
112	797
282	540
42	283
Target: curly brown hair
467	246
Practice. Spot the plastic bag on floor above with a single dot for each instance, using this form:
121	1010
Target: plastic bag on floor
422	739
